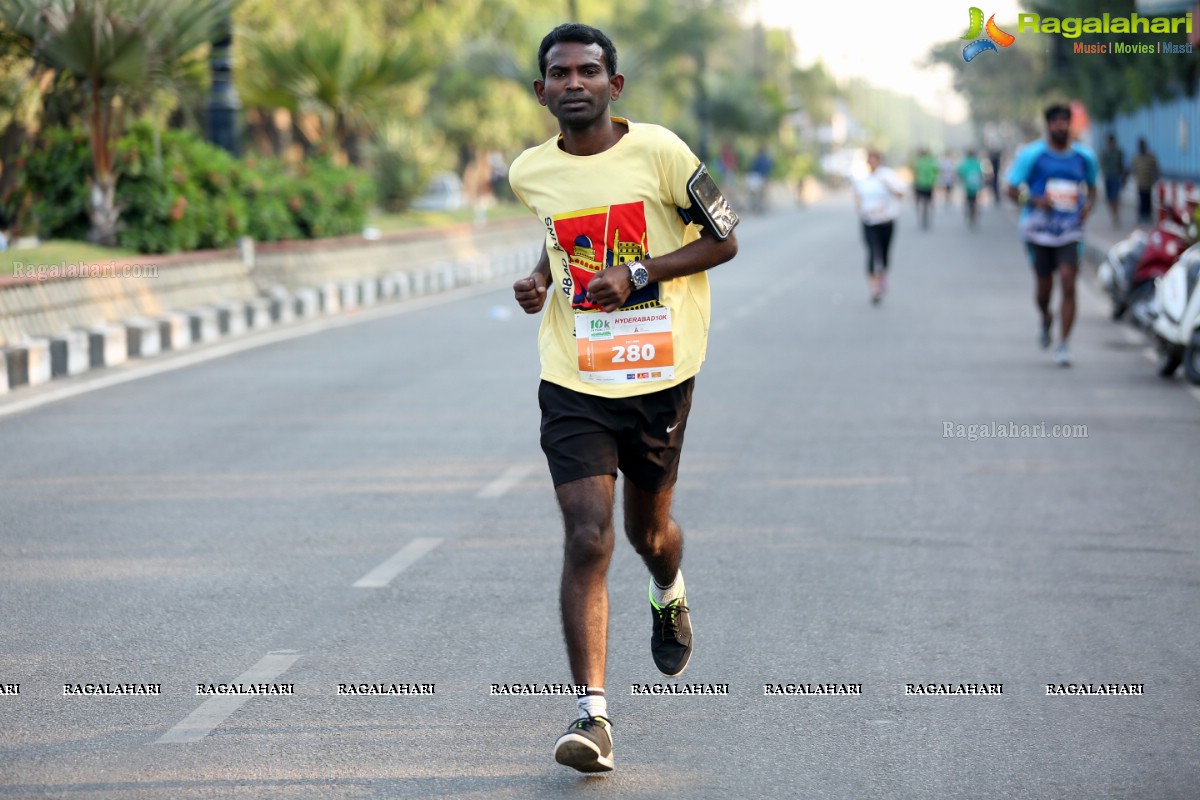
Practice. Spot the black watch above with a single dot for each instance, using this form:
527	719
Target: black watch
639	276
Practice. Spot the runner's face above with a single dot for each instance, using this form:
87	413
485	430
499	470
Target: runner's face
577	88
1059	129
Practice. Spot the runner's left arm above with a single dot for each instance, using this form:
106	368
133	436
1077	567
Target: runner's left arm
612	286
1092	172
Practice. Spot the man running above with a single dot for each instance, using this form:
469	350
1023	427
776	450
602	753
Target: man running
925	174
970	172
622	280
1053	212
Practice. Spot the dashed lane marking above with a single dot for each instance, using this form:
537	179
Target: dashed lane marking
383	574
216	710
511	477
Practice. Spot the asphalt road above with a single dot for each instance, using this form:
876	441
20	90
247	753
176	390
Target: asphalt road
369	505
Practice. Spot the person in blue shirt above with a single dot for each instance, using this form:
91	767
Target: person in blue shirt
1054	180
970	172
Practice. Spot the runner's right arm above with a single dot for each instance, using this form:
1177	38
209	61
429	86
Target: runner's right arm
531	291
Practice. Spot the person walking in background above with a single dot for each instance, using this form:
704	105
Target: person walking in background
994	160
1053	211
925	174
727	163
616	251
757	178
1112	164
946	178
1145	175
877	198
970	172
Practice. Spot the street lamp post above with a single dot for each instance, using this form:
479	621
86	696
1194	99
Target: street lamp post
224	105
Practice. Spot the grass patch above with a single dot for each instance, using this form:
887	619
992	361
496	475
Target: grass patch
65	251
68	251
398	222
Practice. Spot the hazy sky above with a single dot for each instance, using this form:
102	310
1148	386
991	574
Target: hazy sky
882	41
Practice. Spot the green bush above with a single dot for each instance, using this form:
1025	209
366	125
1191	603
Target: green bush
267	188
329	200
162	205
194	195
399	179
54	174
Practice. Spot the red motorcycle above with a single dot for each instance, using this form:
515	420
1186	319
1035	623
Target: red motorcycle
1169	237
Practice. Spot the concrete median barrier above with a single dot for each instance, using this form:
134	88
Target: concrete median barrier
69	354
29	363
306	303
368	292
205	325
107	345
348	295
174	331
231	318
144	338
282	306
258	313
205	296
331	298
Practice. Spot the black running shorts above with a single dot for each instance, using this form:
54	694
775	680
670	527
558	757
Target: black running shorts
1046	259
584	435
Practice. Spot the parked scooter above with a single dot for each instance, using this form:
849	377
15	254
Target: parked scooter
1177	317
1116	272
1133	290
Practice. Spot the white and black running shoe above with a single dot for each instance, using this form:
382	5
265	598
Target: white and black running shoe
586	746
671	638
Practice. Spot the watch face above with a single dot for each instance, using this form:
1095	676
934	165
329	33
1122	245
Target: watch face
640	276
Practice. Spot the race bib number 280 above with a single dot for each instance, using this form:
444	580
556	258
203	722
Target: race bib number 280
625	346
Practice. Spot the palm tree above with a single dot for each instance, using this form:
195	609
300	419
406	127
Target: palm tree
332	73
118	51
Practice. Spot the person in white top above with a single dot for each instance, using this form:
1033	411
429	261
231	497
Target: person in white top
877	197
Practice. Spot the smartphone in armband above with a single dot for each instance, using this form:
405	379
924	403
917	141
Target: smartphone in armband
709	206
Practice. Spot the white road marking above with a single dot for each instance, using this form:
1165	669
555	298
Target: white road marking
382	575
511	477
214	711
169	362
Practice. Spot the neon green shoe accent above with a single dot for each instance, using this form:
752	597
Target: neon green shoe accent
651	591
681	599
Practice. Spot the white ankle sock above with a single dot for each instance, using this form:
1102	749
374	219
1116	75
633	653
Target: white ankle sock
663	595
593	705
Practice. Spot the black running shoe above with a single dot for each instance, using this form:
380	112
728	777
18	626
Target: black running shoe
671	639
586	746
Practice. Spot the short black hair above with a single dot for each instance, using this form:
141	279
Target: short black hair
582	34
1057	110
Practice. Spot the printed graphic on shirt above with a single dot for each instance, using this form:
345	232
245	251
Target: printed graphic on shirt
596	238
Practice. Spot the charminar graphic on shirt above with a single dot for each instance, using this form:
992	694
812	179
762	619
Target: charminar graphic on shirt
603	210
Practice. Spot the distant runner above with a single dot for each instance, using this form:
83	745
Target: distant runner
1060	181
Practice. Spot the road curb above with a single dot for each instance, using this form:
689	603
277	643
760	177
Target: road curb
74	352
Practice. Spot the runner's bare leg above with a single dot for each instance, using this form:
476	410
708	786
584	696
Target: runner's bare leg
587	510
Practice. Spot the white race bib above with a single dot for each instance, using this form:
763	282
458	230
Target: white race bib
633	346
1062	194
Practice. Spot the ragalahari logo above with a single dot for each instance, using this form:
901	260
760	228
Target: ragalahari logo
995	36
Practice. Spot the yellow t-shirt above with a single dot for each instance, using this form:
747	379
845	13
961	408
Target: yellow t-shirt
606	209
